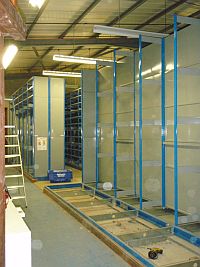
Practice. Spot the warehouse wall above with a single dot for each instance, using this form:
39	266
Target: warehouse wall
188	131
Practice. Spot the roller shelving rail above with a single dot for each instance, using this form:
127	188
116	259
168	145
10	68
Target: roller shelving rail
23	109
73	134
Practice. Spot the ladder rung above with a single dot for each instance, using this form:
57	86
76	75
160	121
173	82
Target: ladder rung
12	156
20	197
13	165
11	145
9	126
11	135
13	176
15	187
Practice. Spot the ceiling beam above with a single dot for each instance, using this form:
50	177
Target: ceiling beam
160	14
84	13
153	18
118	18
23	75
39	14
170	27
38	56
41	57
112	22
116	41
126	12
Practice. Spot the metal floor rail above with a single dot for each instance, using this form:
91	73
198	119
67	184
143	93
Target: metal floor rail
128	231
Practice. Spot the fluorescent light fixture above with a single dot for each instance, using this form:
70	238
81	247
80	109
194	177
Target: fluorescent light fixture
81	60
8	56
146	72
61	73
125	32
169	67
157	68
36	3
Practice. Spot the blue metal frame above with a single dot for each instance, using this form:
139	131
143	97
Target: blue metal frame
70	121
120	203
49	124
33	130
65	97
111	236
186	235
130	250
115	125
63	186
82	129
163	122
175	123
134	118
140	123
97	132
42	178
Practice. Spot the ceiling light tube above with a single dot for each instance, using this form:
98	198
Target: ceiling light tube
36	3
61	74
9	55
80	60
126	32
73	59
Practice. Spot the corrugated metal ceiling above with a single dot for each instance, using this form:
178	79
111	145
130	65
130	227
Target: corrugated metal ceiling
59	15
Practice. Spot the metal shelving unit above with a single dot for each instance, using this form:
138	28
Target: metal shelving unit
39	110
186	122
73	134
106	127
23	100
125	141
152	123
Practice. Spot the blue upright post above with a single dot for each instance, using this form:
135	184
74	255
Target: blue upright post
82	128
33	141
140	121
71	126
97	132
134	118
163	123
65	99
27	128
175	125
115	126
49	124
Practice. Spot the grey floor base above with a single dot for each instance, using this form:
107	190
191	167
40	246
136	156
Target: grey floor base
59	240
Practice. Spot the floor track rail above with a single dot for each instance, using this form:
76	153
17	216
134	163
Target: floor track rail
128	231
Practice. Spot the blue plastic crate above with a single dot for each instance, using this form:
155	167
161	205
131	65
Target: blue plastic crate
59	176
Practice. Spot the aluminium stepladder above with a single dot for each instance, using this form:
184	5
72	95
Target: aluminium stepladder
14	176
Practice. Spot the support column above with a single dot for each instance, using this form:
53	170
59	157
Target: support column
2	162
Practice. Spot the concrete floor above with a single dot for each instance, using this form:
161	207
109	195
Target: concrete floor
59	240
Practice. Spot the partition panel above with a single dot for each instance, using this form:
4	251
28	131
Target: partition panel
88	126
